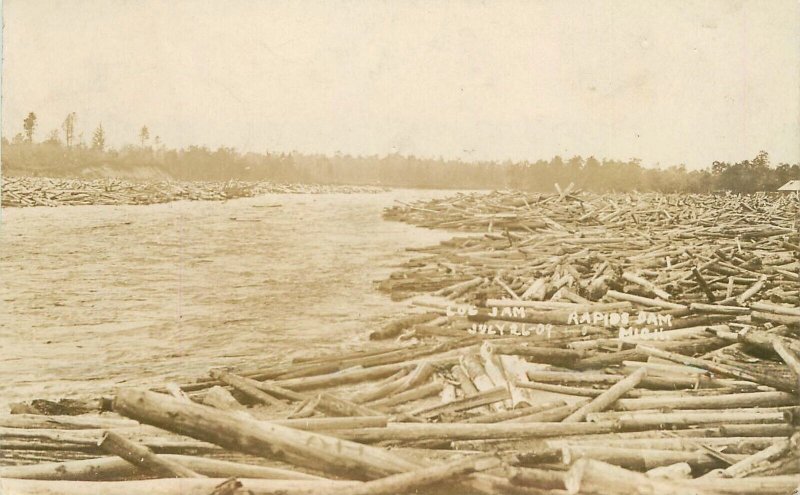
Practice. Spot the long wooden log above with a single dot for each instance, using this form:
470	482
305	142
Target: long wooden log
490	396
655	420
789	357
645	301
552	305
592	477
771	381
141	457
246	386
170	486
779	319
560	357
413	481
115	468
394	328
646	284
538	478
336	406
340	423
220	398
555	414
743	468
608	397
461	431
733	445
639	459
354	375
312	450
64	422
385	387
775	308
753	399
415	393
278	391
515	413
718	309
612	358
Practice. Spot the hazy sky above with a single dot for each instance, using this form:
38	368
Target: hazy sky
665	81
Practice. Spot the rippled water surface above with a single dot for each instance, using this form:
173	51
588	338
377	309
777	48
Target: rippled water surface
92	297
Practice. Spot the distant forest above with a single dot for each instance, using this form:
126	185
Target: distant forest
63	153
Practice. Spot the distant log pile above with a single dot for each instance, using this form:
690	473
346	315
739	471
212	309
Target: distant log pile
42	191
632	345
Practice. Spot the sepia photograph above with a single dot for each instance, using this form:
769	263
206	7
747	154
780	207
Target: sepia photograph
400	247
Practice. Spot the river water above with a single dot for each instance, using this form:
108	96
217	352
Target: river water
96	297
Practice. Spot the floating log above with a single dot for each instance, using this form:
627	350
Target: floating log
173	486
394	328
246	386
141	457
456	431
726	401
516	413
412	481
778	383
115	468
258	438
608	397
597	477
639	459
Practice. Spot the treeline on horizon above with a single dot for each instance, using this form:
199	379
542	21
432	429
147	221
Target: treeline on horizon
63	154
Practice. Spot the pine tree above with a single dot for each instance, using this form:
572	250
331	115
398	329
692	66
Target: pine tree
29	124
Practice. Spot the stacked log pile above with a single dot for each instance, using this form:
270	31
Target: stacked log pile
42	191
526	369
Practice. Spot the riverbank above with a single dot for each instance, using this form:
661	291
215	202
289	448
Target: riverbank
48	191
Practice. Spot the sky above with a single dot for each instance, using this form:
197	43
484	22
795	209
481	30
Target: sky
668	82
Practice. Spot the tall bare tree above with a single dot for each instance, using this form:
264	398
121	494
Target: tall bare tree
69	129
144	135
